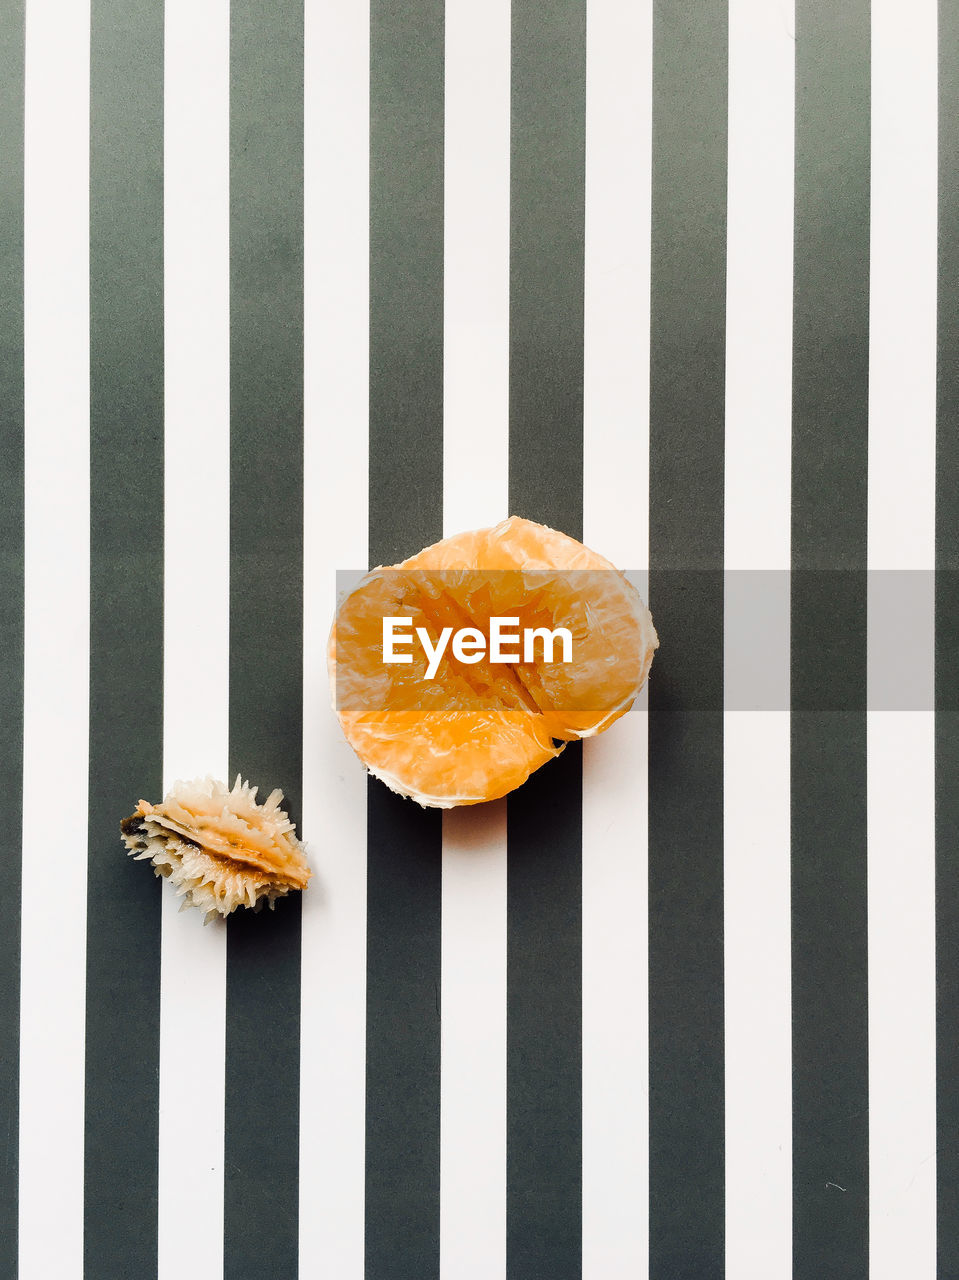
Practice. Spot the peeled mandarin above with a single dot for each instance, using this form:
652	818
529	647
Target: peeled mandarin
475	729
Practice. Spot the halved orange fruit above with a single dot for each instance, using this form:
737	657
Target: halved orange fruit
448	730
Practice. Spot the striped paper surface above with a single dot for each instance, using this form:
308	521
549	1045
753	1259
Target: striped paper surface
286	290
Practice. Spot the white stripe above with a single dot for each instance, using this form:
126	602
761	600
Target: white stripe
56	681
757	975
336	318
615	1001
475	476
902	292
759	254
902	1022
619	97
196	613
758	1089
900	743
616	523
476	264
473	1044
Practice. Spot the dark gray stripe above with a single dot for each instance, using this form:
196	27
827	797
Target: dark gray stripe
406	277
947	651
403	1037
11	608
261	1205
828	775
544	904
544	1023
404	842
126	633
687	404
547	209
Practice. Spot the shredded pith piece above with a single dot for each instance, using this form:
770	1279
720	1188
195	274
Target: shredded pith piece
218	847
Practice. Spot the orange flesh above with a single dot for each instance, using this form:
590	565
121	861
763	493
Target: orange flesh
476	731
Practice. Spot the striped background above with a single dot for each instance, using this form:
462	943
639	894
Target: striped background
284	291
